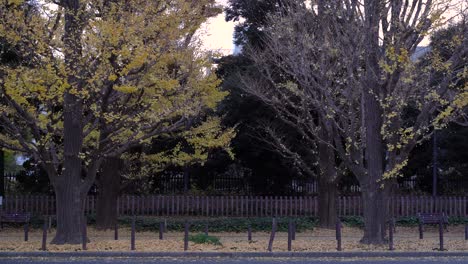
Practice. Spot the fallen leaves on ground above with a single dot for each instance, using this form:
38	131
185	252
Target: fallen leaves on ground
406	239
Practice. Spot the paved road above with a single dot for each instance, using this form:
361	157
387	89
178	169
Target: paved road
230	261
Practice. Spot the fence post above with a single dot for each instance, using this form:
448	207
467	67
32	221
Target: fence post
186	232
441	234
161	230
338	235
391	228
26	231
44	235
272	235
132	238
289	235
116	231
84	236
249	232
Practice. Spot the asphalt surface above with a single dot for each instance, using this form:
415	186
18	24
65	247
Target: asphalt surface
232	261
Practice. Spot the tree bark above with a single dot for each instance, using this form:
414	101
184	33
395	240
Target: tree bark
327	198
69	210
69	187
328	191
108	192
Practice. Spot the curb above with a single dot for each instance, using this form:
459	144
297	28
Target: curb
96	254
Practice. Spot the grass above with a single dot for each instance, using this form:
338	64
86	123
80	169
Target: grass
204	239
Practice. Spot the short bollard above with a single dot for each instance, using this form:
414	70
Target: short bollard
441	235
249	233
161	230
132	238
116	231
289	235
26	232
186	234
206	229
272	236
421	231
391	229
84	236
466	232
44	235
338	235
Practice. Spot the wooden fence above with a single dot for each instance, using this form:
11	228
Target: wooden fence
243	206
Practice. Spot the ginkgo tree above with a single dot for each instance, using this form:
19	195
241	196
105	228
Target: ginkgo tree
107	75
355	76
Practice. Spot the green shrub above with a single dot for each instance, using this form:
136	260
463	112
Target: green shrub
204	239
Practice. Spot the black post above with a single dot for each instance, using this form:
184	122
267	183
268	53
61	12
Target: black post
272	236
466	232
161	230
338	235
2	173
249	233
116	231
289	235
441	234
206	228
44	235
186	232
84	238
421	231
132	238
434	163
391	228
26	231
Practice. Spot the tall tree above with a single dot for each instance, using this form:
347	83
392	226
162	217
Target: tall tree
101	84
109	176
309	157
353	79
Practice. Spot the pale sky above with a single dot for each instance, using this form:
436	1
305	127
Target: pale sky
217	34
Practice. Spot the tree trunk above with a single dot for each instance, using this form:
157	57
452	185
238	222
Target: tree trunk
327	192
69	210
375	214
327	199
373	195
69	187
108	192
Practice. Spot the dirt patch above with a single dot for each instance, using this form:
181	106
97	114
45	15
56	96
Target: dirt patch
406	239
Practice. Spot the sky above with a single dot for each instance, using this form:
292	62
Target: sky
217	34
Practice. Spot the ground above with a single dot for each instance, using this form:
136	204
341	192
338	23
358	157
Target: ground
406	239
235	261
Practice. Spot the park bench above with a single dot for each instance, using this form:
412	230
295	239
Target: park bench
14	218
433	218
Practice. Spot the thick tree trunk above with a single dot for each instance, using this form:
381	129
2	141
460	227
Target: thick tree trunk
68	187
327	192
373	196
375	214
69	204
327	198
108	192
